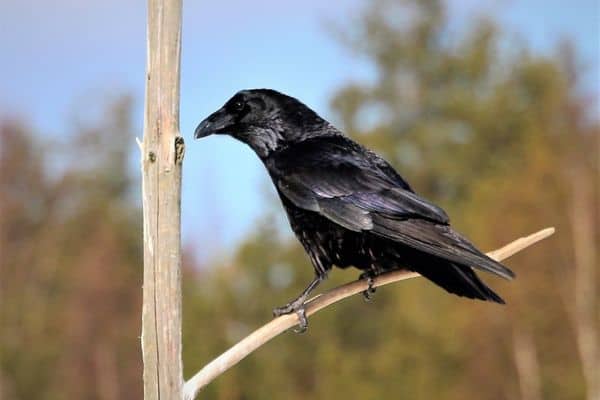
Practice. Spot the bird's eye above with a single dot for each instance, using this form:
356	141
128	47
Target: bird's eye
238	105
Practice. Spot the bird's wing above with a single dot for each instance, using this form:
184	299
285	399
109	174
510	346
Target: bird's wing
343	182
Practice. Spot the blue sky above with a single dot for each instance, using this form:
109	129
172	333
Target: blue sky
60	55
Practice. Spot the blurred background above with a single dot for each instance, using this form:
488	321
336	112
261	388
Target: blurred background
490	108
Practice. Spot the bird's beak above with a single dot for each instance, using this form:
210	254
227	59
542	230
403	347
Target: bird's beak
217	122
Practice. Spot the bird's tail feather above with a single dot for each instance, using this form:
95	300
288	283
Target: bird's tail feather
460	280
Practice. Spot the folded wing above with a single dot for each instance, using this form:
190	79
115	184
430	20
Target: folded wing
347	184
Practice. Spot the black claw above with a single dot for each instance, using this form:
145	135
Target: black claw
368	294
297	305
279	311
303	321
298	308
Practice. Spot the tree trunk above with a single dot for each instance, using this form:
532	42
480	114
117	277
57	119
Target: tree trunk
585	292
162	156
528	367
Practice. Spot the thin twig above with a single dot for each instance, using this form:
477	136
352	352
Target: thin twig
280	324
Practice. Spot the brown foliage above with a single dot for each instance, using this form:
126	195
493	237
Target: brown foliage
70	272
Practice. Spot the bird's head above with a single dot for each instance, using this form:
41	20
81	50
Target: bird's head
264	119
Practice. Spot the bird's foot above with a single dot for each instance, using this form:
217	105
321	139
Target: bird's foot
368	294
296	306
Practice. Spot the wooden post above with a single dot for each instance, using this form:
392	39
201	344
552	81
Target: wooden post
162	156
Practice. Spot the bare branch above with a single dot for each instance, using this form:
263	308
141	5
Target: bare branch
279	325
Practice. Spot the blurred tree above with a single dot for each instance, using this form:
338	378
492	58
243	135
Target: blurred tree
71	263
497	135
502	139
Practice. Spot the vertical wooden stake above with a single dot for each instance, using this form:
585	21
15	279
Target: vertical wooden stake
162	156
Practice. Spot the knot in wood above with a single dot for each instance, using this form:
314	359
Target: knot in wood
179	149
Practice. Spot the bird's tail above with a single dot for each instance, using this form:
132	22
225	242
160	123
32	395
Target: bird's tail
458	279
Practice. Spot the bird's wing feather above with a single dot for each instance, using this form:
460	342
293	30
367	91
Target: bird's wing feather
325	169
345	185
439	240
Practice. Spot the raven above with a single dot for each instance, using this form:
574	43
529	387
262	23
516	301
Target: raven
347	205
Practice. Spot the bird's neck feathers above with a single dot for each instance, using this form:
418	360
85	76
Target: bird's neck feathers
287	122
265	141
280	136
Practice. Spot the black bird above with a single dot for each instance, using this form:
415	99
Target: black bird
348	206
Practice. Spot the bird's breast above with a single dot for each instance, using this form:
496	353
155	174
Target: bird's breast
327	242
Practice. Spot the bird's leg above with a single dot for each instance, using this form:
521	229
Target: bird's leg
297	305
370	276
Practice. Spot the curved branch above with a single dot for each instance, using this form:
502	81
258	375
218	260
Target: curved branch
280	324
